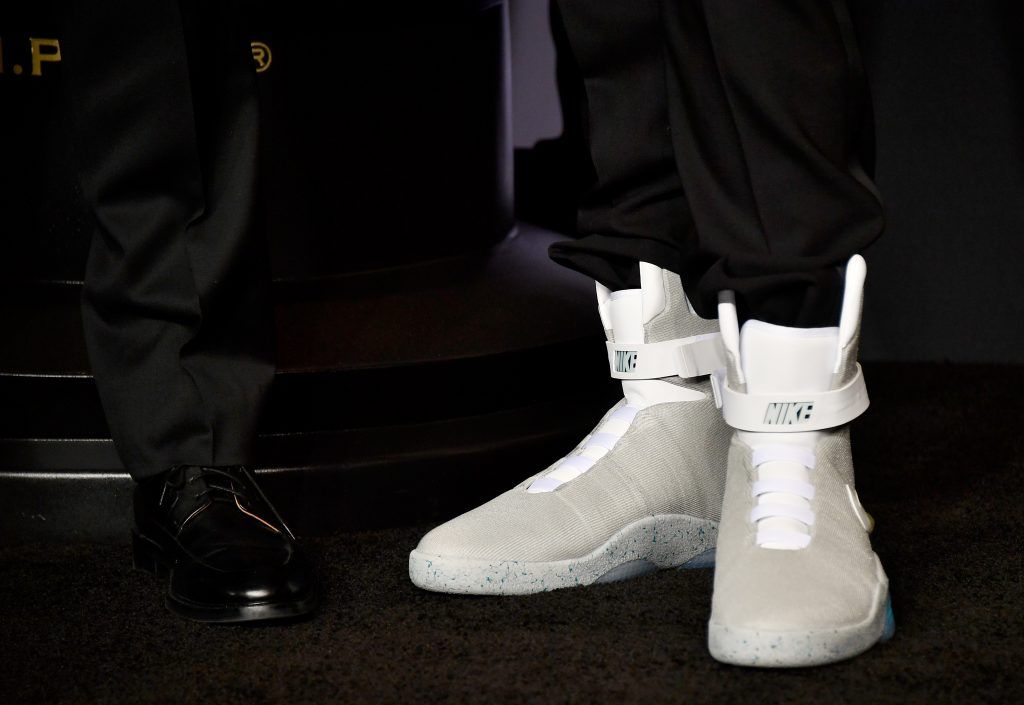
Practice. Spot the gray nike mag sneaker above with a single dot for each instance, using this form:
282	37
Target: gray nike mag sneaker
642	491
796	580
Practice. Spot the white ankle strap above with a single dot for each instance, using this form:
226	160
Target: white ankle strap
782	413
695	356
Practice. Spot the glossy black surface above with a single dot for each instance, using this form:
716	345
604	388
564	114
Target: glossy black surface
227	553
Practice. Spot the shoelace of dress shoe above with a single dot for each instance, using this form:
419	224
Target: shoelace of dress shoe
236	496
211	488
782	491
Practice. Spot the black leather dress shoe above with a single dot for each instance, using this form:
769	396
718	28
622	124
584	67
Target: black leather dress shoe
229	556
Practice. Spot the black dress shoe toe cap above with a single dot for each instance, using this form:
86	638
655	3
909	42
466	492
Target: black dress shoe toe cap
264	579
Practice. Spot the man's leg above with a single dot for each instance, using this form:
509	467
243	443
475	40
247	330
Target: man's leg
643	490
635	209
766	102
758	109
176	307
175	304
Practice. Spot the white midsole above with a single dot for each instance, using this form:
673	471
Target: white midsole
773	648
661	541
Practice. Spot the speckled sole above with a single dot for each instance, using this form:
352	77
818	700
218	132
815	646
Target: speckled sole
794	649
651	543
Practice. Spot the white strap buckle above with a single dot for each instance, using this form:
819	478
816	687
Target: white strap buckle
789	413
684	357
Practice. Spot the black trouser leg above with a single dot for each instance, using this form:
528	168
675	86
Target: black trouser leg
636	209
175	304
765	102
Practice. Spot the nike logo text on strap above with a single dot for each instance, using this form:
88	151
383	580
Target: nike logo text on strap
775	413
684	357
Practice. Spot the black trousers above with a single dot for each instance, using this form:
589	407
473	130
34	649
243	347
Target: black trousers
176	307
724	139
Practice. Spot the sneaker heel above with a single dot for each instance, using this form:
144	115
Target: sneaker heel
142	555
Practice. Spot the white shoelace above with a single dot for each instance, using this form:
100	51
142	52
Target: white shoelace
783	492
595	446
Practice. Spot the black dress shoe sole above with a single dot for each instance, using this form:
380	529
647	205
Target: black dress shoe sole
147	555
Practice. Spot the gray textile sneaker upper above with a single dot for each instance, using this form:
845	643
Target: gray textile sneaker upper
796	580
642	491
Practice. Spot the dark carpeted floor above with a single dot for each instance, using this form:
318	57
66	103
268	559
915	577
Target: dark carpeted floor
940	467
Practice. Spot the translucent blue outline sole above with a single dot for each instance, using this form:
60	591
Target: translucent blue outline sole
702	560
890	622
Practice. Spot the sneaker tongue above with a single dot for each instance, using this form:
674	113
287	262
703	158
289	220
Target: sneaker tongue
783	360
779	360
627	311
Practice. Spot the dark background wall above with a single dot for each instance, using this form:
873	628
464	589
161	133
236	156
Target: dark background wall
946	282
382	124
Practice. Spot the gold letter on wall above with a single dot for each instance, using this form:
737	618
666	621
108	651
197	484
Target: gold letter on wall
39	56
